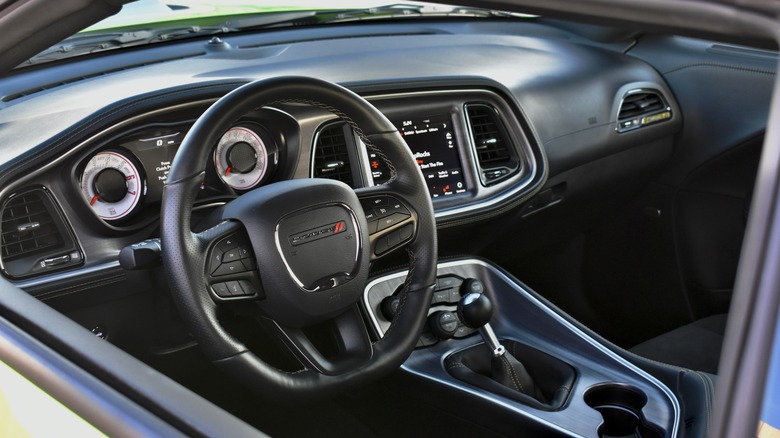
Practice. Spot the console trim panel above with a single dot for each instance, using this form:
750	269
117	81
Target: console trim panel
428	362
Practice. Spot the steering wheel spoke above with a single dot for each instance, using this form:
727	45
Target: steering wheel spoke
231	266
330	348
392	222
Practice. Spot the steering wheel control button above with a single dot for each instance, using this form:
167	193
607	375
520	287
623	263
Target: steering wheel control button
406	232
231	255
229	268
397	207
381	246
369	203
389	221
216	261
227	243
235	288
249	289
249	264
393	239
383	212
221	290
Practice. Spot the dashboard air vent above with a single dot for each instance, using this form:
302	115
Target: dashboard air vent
28	227
331	154
35	236
495	155
641	108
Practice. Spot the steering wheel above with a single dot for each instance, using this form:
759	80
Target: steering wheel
301	250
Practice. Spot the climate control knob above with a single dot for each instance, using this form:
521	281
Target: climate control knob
389	307
443	324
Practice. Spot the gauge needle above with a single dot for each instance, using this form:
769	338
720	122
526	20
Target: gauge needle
94	199
227	172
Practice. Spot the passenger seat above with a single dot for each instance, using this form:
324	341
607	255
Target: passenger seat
695	346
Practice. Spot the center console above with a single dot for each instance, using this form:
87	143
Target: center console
584	388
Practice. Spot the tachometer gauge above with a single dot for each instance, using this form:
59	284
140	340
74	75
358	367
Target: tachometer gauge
112	185
241	158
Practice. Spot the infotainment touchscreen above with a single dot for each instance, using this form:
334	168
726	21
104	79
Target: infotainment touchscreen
434	146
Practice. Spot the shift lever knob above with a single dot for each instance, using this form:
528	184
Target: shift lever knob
475	310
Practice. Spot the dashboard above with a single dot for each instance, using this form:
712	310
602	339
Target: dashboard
489	138
467	143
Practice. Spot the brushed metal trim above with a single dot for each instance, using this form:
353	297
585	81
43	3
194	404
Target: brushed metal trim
550	312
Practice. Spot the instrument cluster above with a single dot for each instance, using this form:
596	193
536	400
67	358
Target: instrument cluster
127	176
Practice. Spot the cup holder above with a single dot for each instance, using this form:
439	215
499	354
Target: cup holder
621	408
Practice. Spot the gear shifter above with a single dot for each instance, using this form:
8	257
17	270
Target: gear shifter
475	311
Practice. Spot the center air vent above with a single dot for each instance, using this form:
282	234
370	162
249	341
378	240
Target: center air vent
641	108
331	154
495	155
34	236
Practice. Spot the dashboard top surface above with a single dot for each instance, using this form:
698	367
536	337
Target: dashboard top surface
557	96
531	65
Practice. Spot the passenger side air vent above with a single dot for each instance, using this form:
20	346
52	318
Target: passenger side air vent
331	154
496	157
641	108
34	236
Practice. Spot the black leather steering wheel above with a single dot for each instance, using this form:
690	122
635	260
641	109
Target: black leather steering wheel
309	246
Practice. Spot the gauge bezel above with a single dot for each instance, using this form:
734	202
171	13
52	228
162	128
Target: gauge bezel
133	177
236	181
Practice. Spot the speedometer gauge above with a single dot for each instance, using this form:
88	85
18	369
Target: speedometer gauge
241	158
112	185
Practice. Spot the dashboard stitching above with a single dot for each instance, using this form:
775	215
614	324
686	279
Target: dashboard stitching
86	286
723	66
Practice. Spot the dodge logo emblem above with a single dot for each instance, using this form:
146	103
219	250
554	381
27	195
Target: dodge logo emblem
317	233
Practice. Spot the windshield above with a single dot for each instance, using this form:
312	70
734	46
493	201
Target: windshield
154	21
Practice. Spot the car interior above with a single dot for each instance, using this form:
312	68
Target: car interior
451	224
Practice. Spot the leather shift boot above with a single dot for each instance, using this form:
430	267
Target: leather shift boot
511	373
